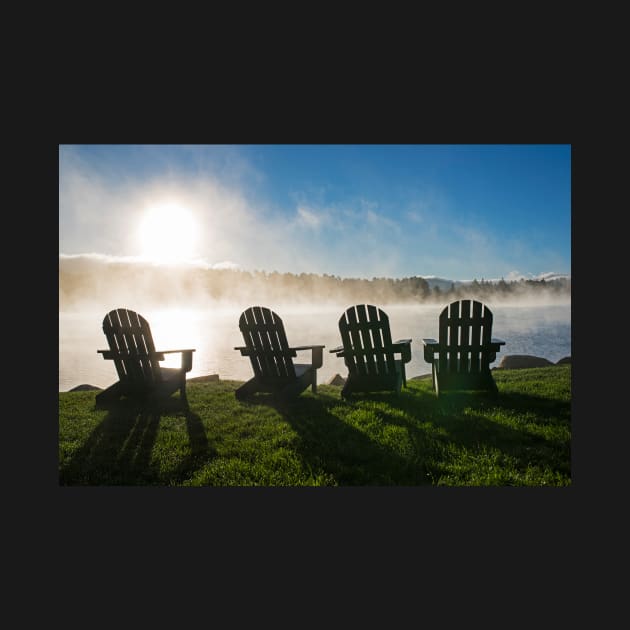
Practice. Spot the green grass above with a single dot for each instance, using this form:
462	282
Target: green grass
520	438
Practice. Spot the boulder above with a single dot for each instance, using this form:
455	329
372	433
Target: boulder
337	380
84	388
420	377
516	361
203	379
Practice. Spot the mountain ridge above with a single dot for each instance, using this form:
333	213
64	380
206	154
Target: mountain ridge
445	283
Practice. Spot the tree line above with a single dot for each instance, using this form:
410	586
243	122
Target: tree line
172	285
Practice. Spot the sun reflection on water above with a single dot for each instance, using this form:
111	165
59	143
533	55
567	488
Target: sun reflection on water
213	333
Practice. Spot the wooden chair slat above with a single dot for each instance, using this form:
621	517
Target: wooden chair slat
464	337
486	338
370	340
137	364
270	356
368	351
475	339
354	340
462	356
260	335
386	341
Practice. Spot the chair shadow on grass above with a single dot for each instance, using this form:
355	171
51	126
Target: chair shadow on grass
119	450
330	446
433	426
461	419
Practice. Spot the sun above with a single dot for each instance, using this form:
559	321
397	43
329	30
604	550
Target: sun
167	233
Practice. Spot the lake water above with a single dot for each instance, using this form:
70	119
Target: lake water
543	331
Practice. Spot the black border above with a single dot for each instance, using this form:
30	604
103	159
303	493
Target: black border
418	527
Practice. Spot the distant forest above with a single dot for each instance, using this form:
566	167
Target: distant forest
81	281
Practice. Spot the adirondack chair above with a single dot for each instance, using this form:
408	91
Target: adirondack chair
461	358
132	350
271	357
369	353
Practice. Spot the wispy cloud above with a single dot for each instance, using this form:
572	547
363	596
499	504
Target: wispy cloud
96	258
311	218
234	231
420	234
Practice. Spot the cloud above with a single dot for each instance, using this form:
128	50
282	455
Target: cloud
226	264
546	275
377	220
354	238
414	217
237	229
420	210
310	218
474	237
90	259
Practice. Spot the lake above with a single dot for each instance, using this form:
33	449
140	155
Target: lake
540	330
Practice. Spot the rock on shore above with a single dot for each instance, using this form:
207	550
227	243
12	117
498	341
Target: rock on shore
203	379
508	362
337	379
84	388
518	361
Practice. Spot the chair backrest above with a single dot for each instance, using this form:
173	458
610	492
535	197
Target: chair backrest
129	334
464	337
367	341
264	336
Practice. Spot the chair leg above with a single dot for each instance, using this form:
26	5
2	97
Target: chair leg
436	380
113	392
346	389
295	388
492	386
182	394
246	390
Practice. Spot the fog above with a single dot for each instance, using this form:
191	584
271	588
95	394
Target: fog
198	307
94	283
105	215
237	221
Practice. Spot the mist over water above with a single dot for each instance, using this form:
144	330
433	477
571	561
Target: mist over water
538	329
188	307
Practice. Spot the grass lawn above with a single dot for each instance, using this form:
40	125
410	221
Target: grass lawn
520	438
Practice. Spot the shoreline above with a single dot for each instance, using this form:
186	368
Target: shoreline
508	362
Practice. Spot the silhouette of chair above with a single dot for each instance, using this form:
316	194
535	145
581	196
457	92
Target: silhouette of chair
271	357
369	353
461	358
132	350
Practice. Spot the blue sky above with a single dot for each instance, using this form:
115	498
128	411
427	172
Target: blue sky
455	211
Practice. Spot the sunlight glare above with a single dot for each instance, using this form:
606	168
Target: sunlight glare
167	233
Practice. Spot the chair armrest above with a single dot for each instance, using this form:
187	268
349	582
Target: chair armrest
171	351
158	355
186	364
244	350
109	354
317	358
126	354
337	349
306	347
431	346
115	355
495	346
404	347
